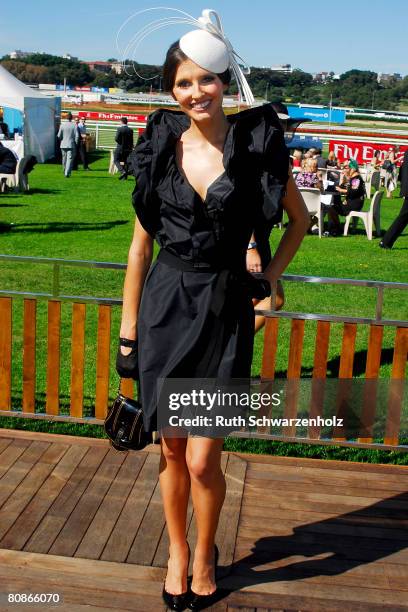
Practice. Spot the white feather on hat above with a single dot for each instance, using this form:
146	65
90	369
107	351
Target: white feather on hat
206	46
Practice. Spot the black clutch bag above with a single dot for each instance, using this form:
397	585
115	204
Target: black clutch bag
124	425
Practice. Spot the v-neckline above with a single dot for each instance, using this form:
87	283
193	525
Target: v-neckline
219	177
195	192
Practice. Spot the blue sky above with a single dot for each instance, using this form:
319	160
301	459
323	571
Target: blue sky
314	36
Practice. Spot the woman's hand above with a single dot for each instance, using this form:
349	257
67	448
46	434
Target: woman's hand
253	261
127	364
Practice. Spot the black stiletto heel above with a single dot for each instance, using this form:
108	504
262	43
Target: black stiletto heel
176	602
200	602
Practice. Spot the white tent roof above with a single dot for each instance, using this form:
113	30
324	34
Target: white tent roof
13	92
39	114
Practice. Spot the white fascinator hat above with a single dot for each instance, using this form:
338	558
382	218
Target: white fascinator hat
206	45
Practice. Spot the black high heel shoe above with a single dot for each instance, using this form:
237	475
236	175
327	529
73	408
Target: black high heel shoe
200	602
176	602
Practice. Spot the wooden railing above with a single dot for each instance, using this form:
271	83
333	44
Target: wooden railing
396	411
394	425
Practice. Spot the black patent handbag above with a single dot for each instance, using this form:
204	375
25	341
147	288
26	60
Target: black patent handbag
124	425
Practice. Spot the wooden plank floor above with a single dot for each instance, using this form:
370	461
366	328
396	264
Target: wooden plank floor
80	519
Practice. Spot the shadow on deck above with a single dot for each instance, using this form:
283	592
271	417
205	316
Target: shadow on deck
81	520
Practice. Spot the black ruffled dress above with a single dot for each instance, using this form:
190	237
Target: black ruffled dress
196	317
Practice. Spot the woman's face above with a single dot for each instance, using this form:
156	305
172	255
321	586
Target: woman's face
198	92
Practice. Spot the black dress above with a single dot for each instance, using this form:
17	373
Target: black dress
196	317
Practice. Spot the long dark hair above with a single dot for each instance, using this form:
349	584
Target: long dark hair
174	57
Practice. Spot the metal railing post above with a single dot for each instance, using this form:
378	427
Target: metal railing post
55	280
379	304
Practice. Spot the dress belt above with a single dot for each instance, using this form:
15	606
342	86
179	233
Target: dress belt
228	280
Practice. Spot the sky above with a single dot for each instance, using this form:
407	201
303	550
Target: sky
314	36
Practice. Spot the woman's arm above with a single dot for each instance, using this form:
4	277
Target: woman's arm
298	225
139	260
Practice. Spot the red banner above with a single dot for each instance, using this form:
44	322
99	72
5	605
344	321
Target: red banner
100	116
363	151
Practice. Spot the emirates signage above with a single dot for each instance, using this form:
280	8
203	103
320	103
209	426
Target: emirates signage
112	116
363	152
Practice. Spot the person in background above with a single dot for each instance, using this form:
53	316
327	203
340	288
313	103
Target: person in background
354	189
259	251
321	161
4	129
81	149
390	179
401	222
68	136
75	161
308	176
124	140
376	162
332	162
297	160
8	163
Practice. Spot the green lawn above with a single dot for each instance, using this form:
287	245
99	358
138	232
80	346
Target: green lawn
90	217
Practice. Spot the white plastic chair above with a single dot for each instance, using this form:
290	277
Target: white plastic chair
112	168
374	181
368	217
311	198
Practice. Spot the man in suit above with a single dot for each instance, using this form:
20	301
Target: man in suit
124	140
69	137
81	153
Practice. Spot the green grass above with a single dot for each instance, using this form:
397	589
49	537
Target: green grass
90	217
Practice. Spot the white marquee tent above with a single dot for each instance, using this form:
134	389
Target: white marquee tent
39	115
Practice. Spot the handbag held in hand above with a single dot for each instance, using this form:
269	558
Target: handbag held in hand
124	421
124	425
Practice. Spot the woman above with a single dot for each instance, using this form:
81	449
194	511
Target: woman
204	182
297	160
390	168
376	162
308	177
354	189
332	160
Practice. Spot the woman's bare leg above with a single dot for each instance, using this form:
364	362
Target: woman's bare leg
208	494
175	489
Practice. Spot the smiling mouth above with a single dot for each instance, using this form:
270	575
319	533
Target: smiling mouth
201	105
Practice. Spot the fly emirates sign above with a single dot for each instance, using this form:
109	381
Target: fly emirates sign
363	152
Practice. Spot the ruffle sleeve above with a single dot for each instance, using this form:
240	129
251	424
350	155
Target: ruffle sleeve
144	200
268	144
149	160
260	153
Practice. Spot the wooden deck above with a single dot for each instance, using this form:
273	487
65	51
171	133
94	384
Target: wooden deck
79	519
